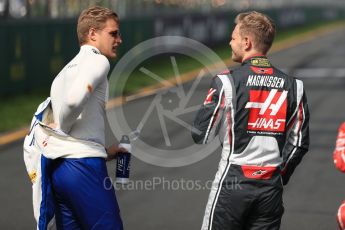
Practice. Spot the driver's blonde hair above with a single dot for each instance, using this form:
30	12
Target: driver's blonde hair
93	17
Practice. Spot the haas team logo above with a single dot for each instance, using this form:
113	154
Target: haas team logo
267	110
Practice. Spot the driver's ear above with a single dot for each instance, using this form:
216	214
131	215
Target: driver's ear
92	34
247	43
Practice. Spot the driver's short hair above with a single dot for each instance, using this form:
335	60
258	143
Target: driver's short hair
93	17
259	26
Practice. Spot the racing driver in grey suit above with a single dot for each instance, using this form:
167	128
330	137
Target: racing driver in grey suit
262	118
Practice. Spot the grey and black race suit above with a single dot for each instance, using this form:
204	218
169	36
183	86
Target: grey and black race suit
261	117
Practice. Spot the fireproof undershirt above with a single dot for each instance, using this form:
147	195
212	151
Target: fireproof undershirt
79	94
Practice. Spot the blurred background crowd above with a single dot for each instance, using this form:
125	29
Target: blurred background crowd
130	8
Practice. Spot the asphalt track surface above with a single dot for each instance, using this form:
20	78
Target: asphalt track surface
311	199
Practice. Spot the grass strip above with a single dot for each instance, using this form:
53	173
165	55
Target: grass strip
16	110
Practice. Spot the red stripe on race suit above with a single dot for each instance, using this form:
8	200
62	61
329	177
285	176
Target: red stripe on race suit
222	105
261	70
258	172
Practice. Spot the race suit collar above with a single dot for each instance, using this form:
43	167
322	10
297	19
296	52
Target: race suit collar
91	48
259	60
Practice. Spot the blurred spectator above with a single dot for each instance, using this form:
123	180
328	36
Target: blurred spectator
17	8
